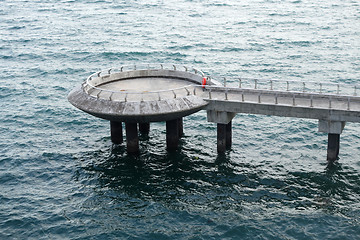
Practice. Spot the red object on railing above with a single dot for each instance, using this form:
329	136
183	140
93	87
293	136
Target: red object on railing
203	82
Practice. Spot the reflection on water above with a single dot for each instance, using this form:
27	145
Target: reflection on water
217	191
177	178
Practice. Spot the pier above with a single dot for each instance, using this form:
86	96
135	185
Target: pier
141	94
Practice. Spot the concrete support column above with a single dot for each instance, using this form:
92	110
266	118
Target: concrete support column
132	138
221	137
181	127
116	132
333	147
144	128
333	129
224	137
229	135
172	134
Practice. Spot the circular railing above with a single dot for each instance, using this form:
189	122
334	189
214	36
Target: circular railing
92	85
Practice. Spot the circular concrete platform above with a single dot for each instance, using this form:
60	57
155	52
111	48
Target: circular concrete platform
141	95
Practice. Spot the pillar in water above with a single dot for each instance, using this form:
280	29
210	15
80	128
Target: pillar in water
144	128
221	137
181	127
333	129
228	135
116	132
333	147
172	134
132	138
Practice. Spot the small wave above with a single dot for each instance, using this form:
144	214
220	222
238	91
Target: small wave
16	28
298	43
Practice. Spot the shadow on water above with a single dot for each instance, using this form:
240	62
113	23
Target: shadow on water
181	178
176	179
193	188
333	190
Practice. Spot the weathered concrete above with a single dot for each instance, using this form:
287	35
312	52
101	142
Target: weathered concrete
132	138
219	116
331	126
283	111
116	132
141	111
141	96
326	107
172	134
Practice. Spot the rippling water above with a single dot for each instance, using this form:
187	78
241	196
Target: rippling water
61	178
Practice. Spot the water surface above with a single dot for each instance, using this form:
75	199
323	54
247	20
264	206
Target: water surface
61	177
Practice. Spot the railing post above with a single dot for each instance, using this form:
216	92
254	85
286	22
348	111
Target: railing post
294	100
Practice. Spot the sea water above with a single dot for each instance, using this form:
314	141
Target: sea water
62	178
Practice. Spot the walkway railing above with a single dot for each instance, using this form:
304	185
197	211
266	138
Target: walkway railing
300	92
290	85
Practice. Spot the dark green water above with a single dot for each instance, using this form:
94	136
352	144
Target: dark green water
61	177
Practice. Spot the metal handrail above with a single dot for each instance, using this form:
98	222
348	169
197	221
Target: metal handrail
255	83
267	91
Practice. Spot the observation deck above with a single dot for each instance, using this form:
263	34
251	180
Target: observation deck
141	93
138	95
